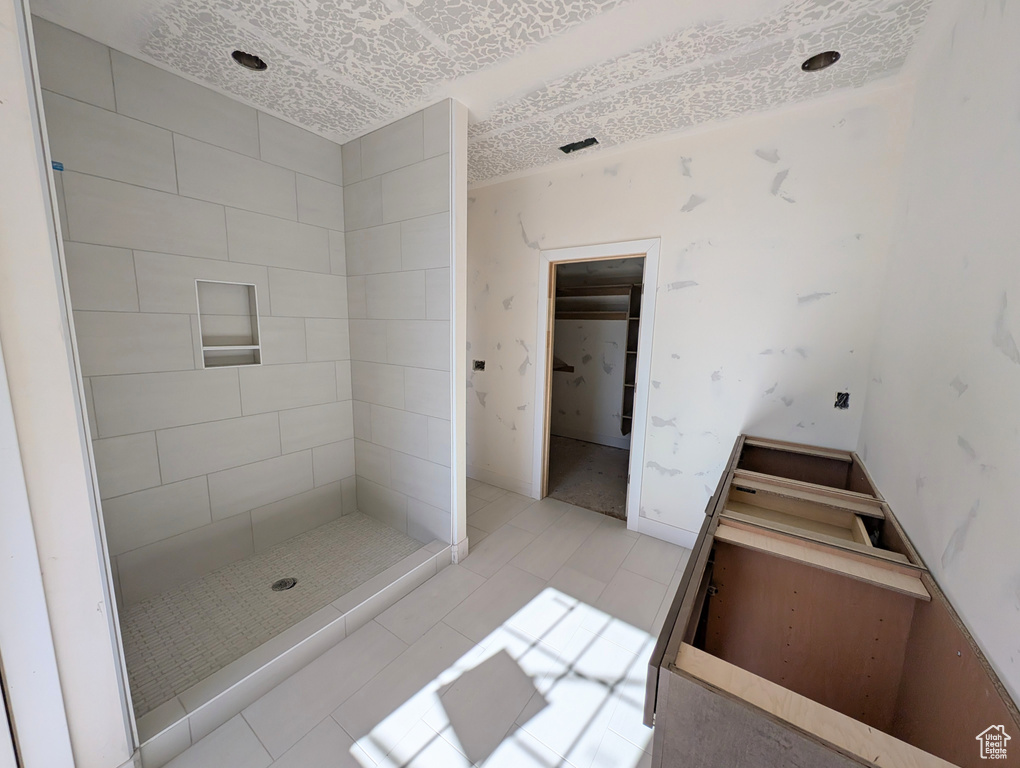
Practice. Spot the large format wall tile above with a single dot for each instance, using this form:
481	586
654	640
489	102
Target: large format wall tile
421	479
276	387
400	430
392	146
113	213
96	141
166	283
154	95
147	401
427	391
300	294
260	239
398	295
378	383
283	340
145	517
101	278
320	203
300	150
425	242
219	175
130	342
333	462
372	250
126	464
199	449
285	519
316	425
417	190
418	343
73	65
241	489
327	339
363	204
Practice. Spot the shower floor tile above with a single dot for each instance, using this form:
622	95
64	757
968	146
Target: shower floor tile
178	638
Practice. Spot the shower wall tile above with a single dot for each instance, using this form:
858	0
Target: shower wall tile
386	505
327	339
158	97
357	300
285	519
437	294
96	141
427	391
101	278
166	283
377	383
277	387
113	213
126	464
351	155
304	294
373	462
427	523
374	250
363	204
73	65
337	253
400	430
425	242
320	203
167	183
362	421
200	449
421	479
417	190
131	342
148	516
393	146
368	340
437	129
283	340
256	238
418	343
148	401
439	442
241	489
316	425
333	462
149	570
398	295
222	176
300	150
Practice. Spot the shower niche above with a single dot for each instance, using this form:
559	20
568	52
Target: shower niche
228	323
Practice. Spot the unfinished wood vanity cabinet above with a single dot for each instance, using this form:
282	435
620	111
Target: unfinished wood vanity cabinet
807	632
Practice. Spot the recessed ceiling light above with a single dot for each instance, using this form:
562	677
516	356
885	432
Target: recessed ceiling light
249	61
820	61
568	148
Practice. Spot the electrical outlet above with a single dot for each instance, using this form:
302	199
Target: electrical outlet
842	400
478	365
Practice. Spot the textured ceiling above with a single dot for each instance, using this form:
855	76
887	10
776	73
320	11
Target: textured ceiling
342	67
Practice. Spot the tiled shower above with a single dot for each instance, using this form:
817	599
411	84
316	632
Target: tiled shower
262	319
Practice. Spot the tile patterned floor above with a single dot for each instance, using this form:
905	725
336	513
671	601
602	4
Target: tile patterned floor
531	653
589	475
182	636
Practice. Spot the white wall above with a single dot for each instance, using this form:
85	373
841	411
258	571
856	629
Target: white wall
166	182
399	218
587	404
774	235
941	422
55	473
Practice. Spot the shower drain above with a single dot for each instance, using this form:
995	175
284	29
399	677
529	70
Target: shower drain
283	584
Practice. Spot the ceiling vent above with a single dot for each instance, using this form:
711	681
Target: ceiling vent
584	144
820	61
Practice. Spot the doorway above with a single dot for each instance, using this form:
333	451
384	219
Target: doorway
592	376
596	326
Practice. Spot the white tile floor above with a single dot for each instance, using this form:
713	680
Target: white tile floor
532	652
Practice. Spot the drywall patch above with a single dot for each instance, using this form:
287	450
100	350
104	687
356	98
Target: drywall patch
966	447
666	471
787	401
481	397
768	155
680	285
685	166
1003	338
958	385
959	538
771	390
532	244
811	298
777	186
508	303
585	359
660	422
607	367
693	203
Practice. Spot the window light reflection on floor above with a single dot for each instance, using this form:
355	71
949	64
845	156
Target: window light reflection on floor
559	683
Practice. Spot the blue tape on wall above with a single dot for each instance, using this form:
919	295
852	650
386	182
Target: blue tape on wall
57	166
